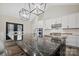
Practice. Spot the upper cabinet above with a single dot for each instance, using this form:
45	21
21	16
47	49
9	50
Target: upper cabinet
64	22
48	23
77	20
67	21
71	21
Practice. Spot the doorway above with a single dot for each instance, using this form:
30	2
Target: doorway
14	31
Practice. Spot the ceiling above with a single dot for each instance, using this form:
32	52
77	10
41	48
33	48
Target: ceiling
53	10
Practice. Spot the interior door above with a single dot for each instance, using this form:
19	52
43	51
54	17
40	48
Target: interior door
14	31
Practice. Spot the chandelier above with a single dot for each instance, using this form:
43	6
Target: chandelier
34	9
37	8
24	14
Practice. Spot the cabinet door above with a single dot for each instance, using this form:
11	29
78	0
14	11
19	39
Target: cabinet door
71	21
77	20
73	41
64	21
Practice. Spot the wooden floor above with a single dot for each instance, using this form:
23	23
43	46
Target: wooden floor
13	49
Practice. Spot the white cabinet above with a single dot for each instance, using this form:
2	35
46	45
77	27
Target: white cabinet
77	20
73	41
70	21
48	23
64	22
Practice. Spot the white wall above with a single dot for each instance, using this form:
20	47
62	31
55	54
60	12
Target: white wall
26	24
58	10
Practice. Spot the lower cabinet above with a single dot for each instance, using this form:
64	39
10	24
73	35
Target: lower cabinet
72	51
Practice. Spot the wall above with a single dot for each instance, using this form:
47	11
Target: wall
58	10
27	26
